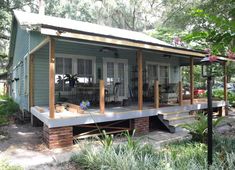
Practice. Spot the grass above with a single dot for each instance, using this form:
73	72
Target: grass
7	108
181	155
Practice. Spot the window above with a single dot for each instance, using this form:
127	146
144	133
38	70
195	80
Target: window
152	73
84	70
158	72
26	75
63	71
164	75
81	68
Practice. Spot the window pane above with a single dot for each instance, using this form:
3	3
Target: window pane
59	65
152	73
88	67
67	66
80	67
110	77
84	69
121	78
164	75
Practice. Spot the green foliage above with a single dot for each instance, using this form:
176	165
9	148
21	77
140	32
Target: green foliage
106	140
181	155
131	142
222	143
7	108
198	129
4	165
219	94
214	26
167	34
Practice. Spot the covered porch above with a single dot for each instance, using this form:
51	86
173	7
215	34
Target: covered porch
108	75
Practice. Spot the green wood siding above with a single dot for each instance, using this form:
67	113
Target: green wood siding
21	49
41	77
41	72
24	41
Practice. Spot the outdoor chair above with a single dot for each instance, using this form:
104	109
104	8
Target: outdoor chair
113	96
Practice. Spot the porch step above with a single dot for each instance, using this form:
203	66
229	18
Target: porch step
172	120
172	115
182	120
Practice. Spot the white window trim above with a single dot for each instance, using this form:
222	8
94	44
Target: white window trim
158	68
74	62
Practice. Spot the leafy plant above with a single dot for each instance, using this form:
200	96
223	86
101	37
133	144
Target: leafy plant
198	130
131	142
7	108
72	79
107	140
179	155
219	94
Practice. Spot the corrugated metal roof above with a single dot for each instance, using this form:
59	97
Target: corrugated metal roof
32	19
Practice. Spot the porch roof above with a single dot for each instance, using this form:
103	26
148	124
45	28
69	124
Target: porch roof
66	28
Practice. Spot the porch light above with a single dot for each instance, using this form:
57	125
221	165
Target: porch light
211	67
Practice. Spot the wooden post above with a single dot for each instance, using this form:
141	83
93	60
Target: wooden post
140	79
102	96
225	87
191	81
31	81
156	94
52	78
180	94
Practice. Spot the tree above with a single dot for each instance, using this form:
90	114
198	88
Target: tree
6	9
207	24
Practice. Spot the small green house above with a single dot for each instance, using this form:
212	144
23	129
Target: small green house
129	78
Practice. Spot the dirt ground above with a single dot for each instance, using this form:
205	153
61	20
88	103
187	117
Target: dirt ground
22	144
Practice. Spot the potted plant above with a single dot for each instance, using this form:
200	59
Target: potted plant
72	79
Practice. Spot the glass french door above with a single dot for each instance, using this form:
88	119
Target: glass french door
115	71
157	72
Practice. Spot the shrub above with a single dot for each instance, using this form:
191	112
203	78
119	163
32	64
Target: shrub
107	140
181	155
7	108
198	129
219	94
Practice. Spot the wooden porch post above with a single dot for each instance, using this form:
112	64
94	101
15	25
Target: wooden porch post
156	94
140	79
191	81
225	87
52	78
180	94
102	96
31	81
